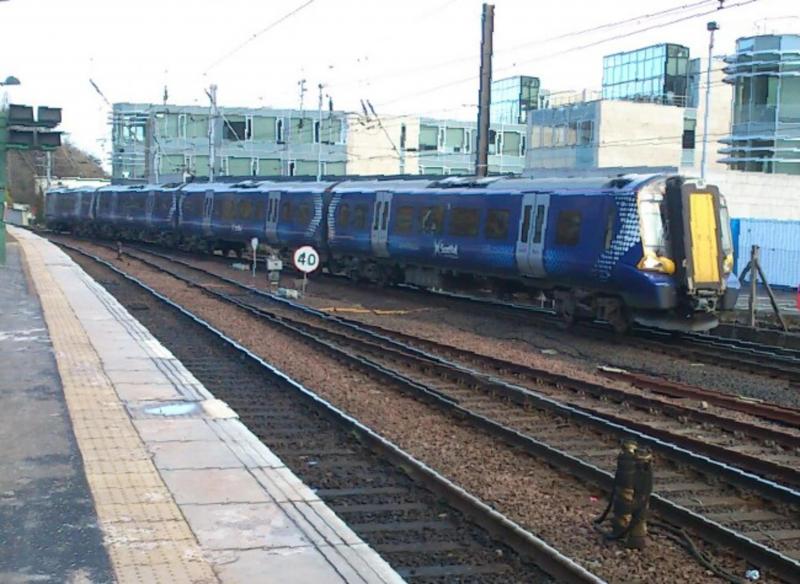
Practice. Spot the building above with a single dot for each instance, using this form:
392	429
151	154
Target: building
512	98
650	113
158	143
657	74
163	143
765	130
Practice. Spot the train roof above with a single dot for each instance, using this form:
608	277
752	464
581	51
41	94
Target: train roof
471	185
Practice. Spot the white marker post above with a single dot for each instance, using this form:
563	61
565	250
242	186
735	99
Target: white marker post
306	259
254	246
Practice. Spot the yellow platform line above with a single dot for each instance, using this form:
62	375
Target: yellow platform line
147	537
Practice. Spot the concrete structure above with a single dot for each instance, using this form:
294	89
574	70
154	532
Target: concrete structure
765	129
412	145
164	143
638	122
181	489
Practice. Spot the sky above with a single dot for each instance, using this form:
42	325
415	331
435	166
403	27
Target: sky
404	56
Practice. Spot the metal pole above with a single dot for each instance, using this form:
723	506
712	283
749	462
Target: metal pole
319	134
711	27
3	175
754	253
485	91
212	133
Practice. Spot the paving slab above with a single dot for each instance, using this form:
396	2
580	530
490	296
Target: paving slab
183	491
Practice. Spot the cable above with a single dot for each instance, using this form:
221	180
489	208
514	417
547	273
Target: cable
512	48
255	35
563	52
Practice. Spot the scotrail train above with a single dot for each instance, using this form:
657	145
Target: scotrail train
653	249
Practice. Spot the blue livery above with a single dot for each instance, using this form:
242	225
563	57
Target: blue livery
655	249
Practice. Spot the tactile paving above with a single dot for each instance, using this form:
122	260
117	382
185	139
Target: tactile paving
147	537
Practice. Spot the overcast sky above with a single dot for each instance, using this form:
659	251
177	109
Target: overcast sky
405	56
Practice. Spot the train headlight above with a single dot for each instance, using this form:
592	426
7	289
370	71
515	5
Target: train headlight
727	264
655	263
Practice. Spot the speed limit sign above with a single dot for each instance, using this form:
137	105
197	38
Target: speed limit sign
306	259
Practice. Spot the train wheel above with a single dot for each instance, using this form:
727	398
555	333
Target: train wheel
619	320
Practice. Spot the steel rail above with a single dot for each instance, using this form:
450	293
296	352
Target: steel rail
753	551
521	540
782	414
687	445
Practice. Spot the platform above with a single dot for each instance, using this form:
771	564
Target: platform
181	490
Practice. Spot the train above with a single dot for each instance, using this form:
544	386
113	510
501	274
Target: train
652	249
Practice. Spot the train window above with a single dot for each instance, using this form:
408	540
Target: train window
405	220
286	212
244	209
193	205
303	214
259	209
464	222
376	219
497	224
385	218
431	220
343	215
537	228
360	217
526	223
568	229
610	220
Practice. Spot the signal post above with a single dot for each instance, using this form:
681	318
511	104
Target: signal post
20	130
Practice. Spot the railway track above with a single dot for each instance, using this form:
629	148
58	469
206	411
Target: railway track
781	362
761	522
428	529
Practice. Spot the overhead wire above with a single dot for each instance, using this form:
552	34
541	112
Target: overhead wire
551	55
257	34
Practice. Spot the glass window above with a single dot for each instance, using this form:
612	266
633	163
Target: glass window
377	218
404	220
303	216
244	209
428	137
497	224
431	220
538	227
526	223
464	222
385	218
343	215
360	217
568	228
286	212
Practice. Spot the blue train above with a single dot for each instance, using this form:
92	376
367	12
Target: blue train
653	249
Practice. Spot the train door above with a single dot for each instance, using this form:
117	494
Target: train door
380	224
208	207
530	240
273	207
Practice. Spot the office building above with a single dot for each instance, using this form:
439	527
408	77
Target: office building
764	134
166	143
656	74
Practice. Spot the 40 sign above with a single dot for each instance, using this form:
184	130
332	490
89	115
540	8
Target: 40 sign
306	259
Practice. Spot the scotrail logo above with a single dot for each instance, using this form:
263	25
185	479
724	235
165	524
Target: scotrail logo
441	248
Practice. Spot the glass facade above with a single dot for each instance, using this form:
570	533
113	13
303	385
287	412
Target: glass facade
765	130
657	74
512	98
565	137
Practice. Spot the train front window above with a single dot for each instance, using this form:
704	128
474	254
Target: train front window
653	223
726	236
